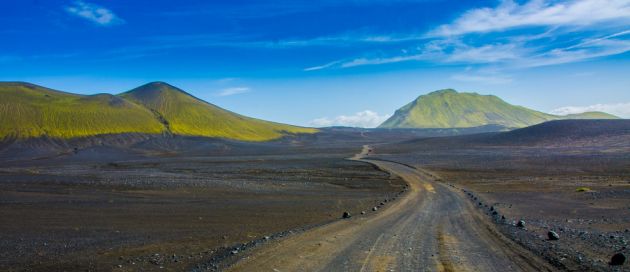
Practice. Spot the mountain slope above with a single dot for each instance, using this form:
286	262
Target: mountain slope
28	111
184	114
451	109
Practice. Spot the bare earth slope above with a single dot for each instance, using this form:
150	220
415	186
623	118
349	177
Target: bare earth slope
430	228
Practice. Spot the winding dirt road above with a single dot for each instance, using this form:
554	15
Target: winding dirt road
431	227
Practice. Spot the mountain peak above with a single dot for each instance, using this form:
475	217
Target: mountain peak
28	111
448	108
443	91
184	114
157	86
153	92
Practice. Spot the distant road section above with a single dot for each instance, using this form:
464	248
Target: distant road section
431	227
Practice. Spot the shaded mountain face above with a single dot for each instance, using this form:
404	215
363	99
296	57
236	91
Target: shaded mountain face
30	111
451	109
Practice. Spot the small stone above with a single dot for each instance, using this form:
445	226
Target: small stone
362	212
553	236
346	215
234	252
267	238
618	259
520	224
374	209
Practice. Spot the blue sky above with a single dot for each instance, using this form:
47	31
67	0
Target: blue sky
320	63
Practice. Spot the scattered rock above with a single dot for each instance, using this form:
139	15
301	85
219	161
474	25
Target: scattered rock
553	236
374	209
520	224
346	215
618	259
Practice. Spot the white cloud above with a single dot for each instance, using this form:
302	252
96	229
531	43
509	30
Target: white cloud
324	66
485	79
514	53
444	51
587	49
510	15
233	91
558	32
97	14
366	119
619	109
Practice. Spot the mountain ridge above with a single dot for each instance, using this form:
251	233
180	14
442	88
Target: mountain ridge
30	111
448	108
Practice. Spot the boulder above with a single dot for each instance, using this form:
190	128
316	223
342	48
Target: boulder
346	215
618	259
553	236
520	224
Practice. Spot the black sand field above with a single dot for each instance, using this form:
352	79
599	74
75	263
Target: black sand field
571	177
143	203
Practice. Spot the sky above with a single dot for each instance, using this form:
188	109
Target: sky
323	63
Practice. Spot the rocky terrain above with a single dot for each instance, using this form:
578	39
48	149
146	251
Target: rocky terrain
574	183
100	209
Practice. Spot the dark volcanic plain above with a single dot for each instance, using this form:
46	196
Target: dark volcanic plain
167	203
136	202
570	177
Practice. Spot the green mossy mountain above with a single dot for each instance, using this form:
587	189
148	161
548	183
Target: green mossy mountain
31	111
451	109
184	114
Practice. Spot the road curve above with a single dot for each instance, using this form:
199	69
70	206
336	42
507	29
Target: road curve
432	227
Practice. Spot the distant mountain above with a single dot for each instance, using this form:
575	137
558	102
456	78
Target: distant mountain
451	109
31	111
